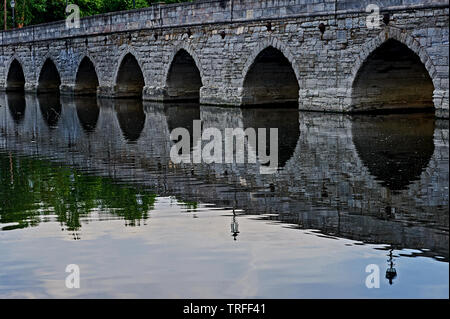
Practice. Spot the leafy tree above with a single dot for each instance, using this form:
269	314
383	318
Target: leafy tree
29	12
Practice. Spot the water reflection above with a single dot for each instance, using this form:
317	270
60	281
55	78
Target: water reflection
182	116
32	189
285	120
131	116
376	179
391	272
17	105
395	148
88	112
50	106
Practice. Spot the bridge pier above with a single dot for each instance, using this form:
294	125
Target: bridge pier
155	93
441	103
67	89
229	96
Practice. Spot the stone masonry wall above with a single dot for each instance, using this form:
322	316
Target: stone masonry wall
225	37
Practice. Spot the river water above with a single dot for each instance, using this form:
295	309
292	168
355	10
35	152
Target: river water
91	183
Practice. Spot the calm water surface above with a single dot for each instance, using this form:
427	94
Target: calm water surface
90	182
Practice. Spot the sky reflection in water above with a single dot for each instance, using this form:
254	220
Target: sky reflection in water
90	182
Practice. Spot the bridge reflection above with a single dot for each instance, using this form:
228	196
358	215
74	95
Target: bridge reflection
131	116
376	179
396	149
16	105
88	113
50	107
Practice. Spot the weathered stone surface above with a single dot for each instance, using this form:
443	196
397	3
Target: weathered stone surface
224	38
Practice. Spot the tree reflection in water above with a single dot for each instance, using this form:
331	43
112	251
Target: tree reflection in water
31	189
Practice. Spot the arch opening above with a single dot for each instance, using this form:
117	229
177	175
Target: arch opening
270	79
86	82
392	78
49	79
130	79
50	106
184	80
16	78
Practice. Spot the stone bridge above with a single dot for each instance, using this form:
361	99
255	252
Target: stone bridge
317	53
346	175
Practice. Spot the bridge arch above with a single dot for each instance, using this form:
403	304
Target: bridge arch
49	77
183	76
129	78
270	75
392	72
86	81
15	79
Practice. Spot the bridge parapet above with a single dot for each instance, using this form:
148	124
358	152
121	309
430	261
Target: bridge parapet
202	12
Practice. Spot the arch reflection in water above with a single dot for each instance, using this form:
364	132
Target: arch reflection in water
87	112
182	115
50	106
286	120
131	117
17	106
395	148
49	78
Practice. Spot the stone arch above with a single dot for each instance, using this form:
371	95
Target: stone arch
277	44
15	77
271	53
183	77
86	79
390	37
129	83
88	112
190	50
49	79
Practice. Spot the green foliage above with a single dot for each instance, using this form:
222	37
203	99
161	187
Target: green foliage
29	12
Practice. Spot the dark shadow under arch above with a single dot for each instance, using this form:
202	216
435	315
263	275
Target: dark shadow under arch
49	79
86	82
130	79
16	78
183	79
392	77
271	79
